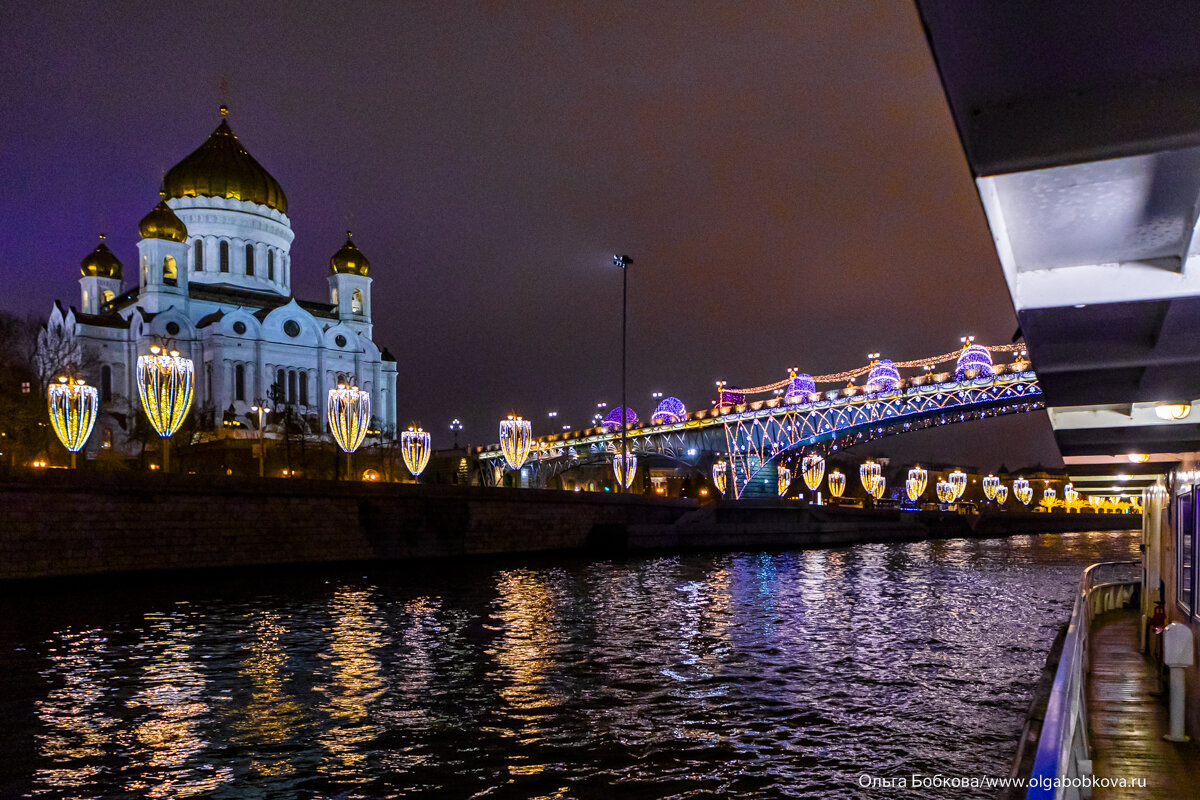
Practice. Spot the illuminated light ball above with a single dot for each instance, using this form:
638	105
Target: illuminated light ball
915	485
164	383
349	415
516	439
720	475
1001	494
784	481
613	420
869	474
669	411
837	483
814	470
884	377
73	406
958	479
974	362
1023	491
624	476
416	445
799	388
991	484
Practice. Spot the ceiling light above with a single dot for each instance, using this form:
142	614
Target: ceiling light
1172	411
1139	458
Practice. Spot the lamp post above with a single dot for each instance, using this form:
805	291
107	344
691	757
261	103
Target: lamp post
416	446
456	426
623	262
262	411
164	383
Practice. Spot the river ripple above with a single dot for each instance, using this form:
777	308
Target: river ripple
784	674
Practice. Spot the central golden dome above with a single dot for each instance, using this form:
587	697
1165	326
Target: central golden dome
221	167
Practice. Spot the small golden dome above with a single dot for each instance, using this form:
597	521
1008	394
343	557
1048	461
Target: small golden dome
349	259
221	167
161	223
101	263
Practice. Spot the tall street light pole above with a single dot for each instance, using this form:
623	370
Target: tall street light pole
623	262
262	453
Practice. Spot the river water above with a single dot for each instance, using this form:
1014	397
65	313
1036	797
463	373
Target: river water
782	674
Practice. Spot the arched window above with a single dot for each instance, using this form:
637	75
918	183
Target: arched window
107	296
198	256
224	256
270	265
169	270
85	299
291	386
106	383
239	382
249	259
303	388
280	387
335	296
356	302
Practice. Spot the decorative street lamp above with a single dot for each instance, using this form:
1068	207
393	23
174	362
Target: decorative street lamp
837	483
516	439
991	484
625	476
958	479
813	466
914	487
416	446
868	473
456	426
878	487
1023	491
784	479
945	491
623	262
1048	498
262	453
165	386
349	414
720	475
1001	494
73	406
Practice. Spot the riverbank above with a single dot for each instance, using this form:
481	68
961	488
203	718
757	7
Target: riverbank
64	524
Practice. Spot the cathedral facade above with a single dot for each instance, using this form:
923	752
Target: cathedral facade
214	282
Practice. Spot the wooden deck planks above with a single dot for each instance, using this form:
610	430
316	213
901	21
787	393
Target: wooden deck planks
1127	723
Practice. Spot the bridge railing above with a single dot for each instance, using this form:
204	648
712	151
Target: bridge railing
1063	751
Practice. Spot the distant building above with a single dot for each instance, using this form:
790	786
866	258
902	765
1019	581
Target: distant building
213	281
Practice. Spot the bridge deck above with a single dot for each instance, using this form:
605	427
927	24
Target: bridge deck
1127	723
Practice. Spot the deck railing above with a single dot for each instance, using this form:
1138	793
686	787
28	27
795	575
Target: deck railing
1063	755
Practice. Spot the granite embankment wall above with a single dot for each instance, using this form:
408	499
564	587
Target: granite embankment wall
62	523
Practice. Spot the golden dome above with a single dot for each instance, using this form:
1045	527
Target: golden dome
161	223
221	167
349	259
101	263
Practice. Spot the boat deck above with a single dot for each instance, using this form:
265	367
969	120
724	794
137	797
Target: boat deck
1127	723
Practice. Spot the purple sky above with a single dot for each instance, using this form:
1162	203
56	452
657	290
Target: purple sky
786	176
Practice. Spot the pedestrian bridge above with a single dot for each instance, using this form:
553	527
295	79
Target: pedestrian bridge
755	429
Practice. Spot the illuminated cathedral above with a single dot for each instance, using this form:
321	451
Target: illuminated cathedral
213	281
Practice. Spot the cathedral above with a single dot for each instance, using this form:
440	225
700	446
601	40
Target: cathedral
214	282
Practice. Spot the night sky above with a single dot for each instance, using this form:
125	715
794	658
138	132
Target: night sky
785	175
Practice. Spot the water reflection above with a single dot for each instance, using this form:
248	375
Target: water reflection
353	684
734	674
76	732
169	708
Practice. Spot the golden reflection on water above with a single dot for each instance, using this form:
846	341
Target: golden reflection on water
77	731
352	683
523	654
271	716
172	704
